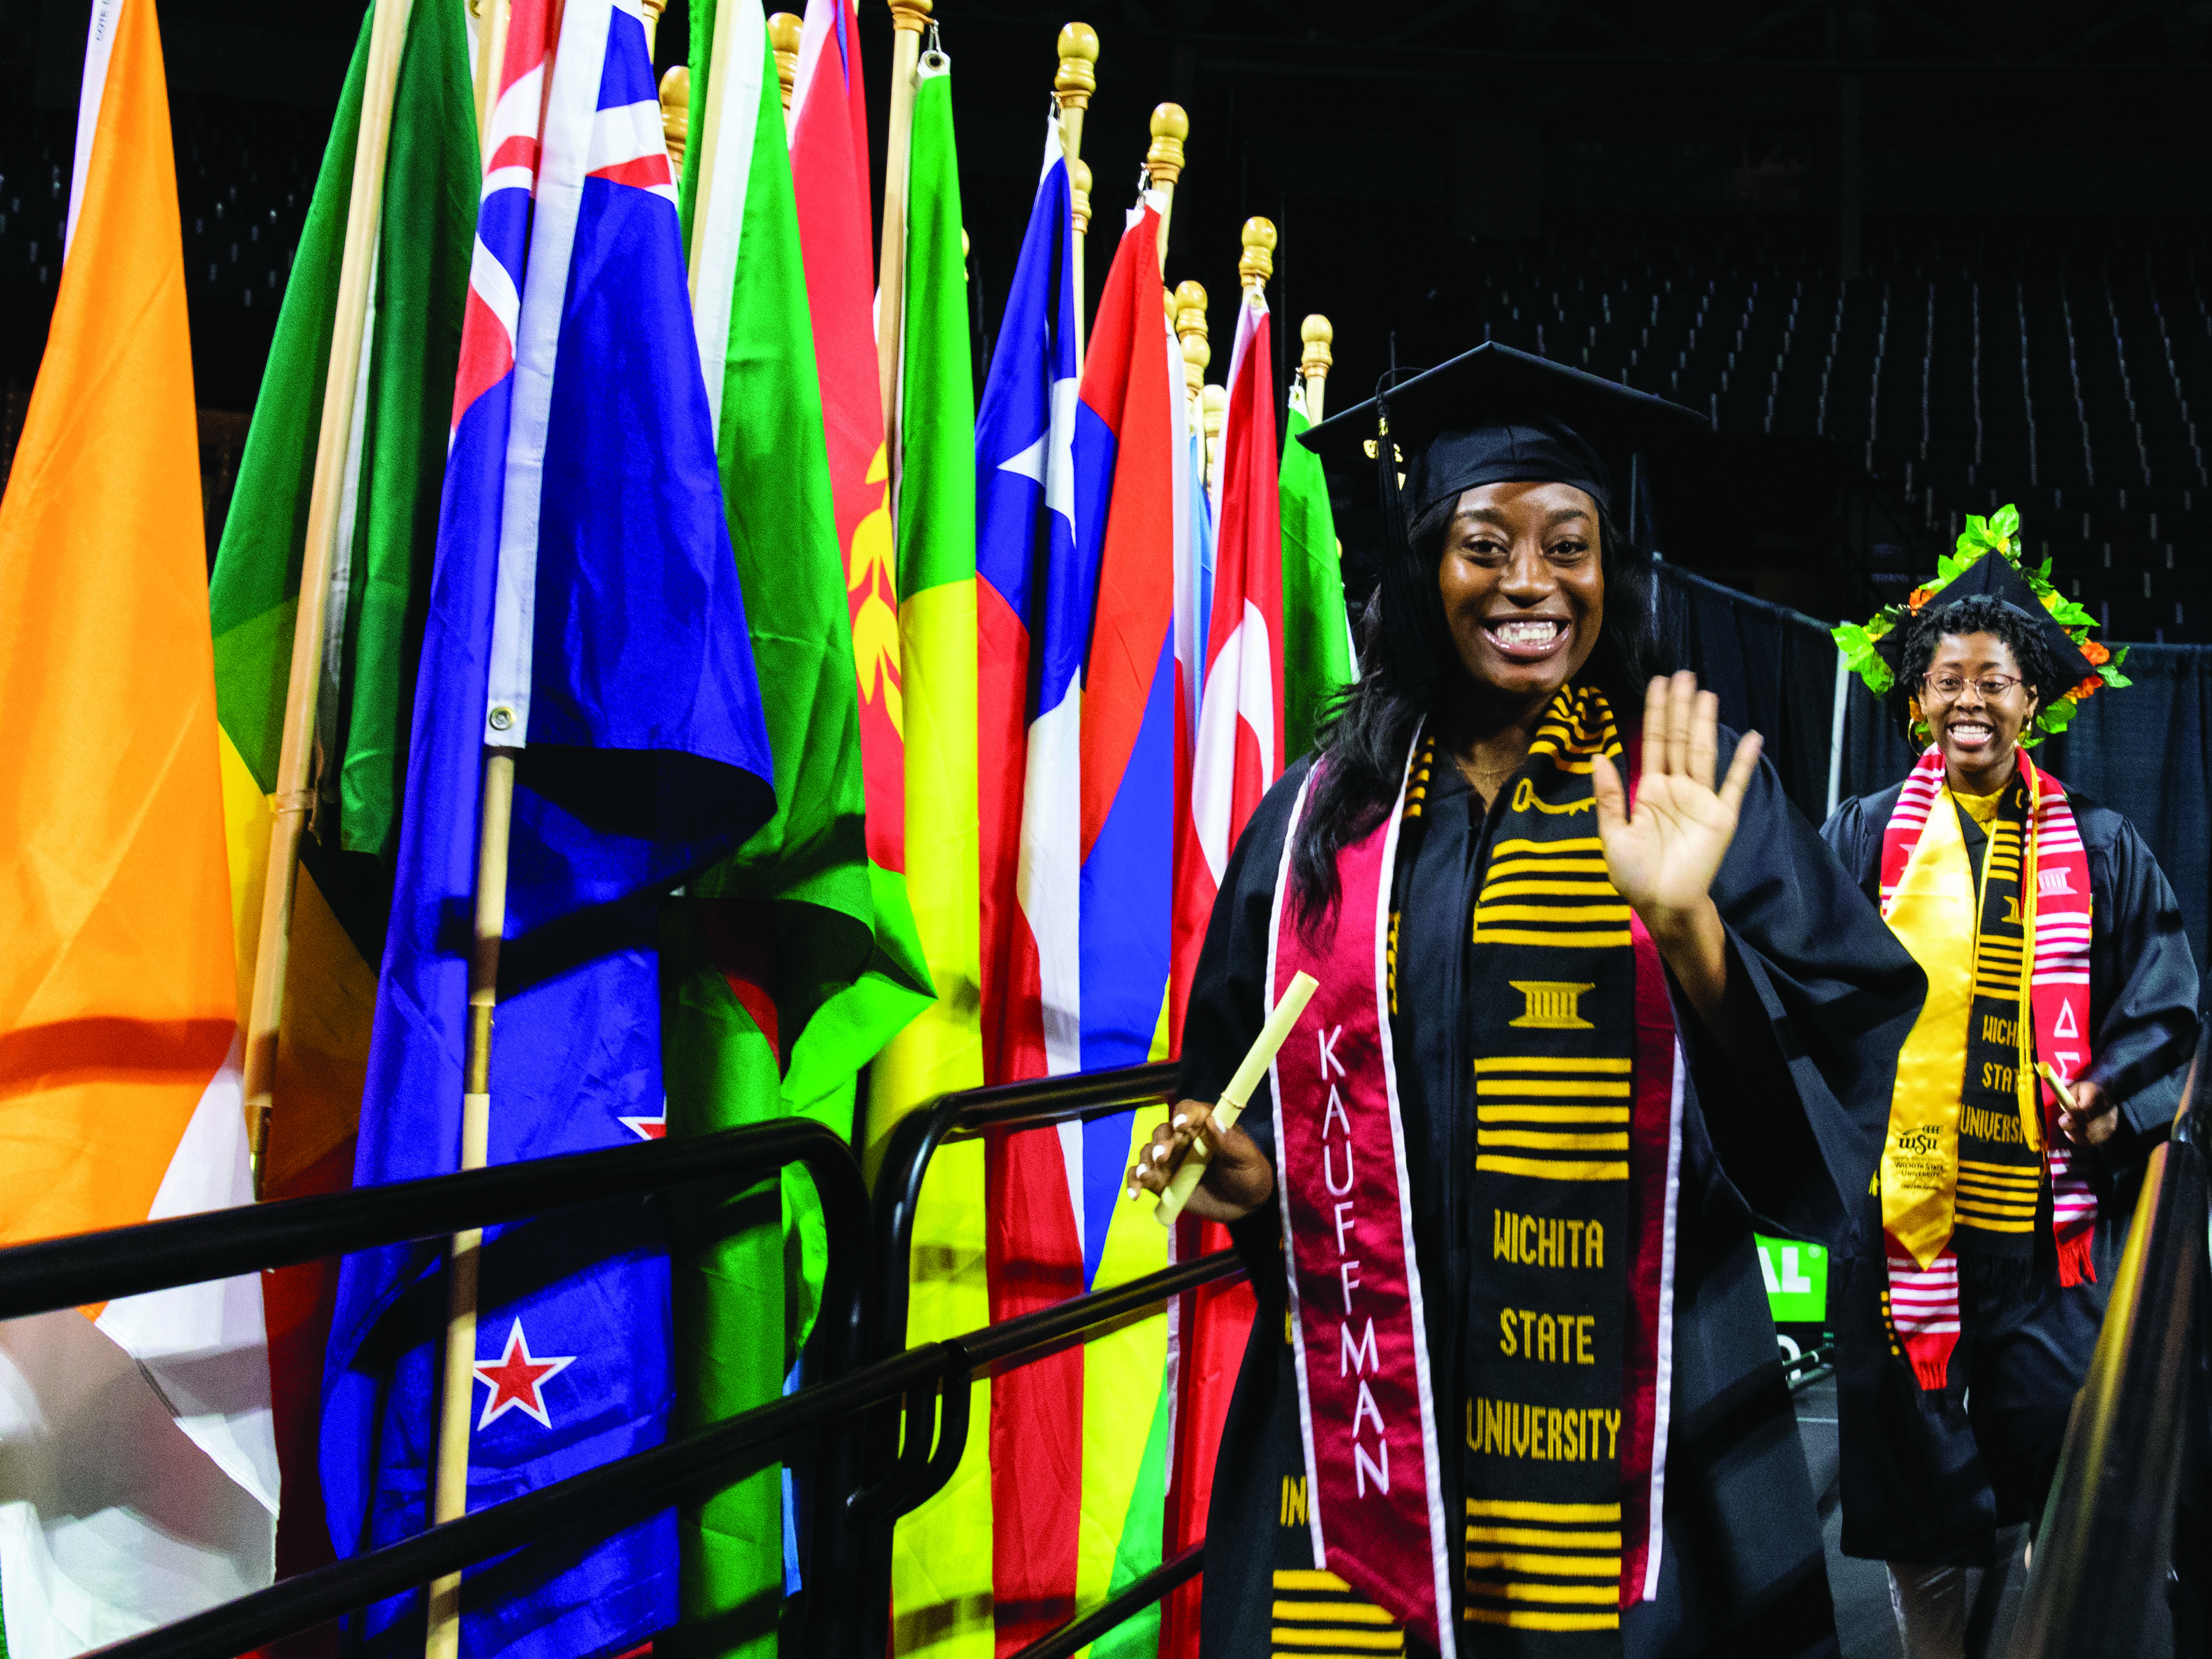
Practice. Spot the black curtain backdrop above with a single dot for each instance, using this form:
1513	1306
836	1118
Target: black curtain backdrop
2145	752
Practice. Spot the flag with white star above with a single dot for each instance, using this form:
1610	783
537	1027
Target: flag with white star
586	614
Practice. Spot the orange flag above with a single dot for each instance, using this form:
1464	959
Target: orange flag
120	987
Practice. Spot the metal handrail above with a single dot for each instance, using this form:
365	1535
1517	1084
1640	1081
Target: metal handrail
966	1116
2100	1567
81	1268
616	1493
117	1261
1117	1608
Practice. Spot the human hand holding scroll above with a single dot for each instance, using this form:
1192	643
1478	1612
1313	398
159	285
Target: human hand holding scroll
2088	1114
1201	1141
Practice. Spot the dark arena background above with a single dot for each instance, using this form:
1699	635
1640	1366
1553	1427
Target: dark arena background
1916	259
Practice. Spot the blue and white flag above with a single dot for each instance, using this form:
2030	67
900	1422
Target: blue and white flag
1033	602
585	613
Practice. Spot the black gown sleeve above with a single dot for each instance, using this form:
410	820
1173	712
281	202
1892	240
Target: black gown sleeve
2144	981
1796	1119
1847	836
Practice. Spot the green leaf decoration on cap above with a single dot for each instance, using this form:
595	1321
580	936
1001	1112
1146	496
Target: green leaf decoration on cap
1998	534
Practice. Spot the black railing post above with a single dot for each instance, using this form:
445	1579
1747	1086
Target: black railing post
2099	1573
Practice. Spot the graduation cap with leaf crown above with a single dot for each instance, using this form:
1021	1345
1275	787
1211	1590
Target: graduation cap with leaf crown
1990	560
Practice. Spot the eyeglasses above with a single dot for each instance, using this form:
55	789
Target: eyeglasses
1947	687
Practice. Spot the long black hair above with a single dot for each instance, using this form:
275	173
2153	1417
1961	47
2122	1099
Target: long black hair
1407	675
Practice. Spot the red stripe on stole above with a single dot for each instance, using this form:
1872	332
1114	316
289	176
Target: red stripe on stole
1650	1133
1034	1256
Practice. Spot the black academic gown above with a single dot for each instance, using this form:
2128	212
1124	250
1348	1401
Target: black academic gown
1787	1132
1921	1481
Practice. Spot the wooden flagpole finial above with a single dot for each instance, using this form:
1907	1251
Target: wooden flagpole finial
676	113
784	30
652	10
908	19
1213	403
1078	74
1170	126
964	255
1072	82
1257	264
1078	185
1315	360
1197	348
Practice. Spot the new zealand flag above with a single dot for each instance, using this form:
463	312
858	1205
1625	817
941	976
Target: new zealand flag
585	613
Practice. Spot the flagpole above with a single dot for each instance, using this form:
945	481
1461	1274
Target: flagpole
1213	410
293	796
1072	84
450	1493
784	31
676	113
1163	163
649	13
907	17
491	52
1256	265
710	132
1315	335
1197	348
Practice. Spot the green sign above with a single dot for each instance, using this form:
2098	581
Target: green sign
1796	1275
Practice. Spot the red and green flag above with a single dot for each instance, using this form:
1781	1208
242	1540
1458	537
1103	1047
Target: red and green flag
791	963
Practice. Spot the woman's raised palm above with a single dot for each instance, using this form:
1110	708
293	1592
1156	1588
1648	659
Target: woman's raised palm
1662	859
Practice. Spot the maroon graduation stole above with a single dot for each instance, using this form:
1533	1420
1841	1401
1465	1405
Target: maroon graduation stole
1562	1440
2029	973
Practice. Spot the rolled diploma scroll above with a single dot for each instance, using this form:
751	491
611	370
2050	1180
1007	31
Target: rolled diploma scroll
2049	1074
1230	1106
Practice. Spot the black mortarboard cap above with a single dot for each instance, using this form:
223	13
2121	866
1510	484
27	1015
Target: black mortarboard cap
1493	415
1994	574
1497	416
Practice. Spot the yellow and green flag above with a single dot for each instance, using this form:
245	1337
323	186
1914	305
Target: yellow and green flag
942	1554
782	977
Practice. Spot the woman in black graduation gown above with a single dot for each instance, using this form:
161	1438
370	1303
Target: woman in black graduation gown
1513	618
2020	1242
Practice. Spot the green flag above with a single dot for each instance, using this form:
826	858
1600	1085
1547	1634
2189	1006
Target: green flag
783	976
1316	631
387	530
403	411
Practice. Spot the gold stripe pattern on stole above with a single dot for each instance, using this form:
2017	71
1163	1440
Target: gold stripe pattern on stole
1583	910
1545	1116
1543	1566
1416	793
1316	1615
1998	1198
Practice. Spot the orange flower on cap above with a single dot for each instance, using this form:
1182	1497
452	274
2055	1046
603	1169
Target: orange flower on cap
2095	653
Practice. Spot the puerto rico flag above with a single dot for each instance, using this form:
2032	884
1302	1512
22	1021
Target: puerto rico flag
1033	616
1034	596
586	615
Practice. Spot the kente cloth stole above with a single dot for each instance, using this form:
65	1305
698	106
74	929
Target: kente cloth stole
1570	1206
1972	1131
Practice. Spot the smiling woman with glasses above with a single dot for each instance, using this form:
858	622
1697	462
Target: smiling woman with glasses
2048	937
